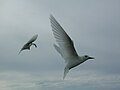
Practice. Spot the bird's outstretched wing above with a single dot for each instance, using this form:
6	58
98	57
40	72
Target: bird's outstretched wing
64	41
32	39
27	46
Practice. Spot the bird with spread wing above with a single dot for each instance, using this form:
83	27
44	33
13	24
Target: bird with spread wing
66	47
29	43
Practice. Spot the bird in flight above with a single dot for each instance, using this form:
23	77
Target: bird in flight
66	47
29	44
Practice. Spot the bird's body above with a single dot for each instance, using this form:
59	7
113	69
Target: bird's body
66	47
29	44
75	61
26	46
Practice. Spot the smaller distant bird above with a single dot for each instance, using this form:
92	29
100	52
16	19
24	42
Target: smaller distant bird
29	43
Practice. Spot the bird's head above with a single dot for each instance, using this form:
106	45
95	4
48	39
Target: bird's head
86	57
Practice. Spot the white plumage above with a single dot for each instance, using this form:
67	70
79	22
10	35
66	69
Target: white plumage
66	47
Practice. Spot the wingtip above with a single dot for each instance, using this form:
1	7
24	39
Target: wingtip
51	17
19	53
36	35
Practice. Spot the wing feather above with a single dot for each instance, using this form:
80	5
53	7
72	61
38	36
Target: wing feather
63	40
32	39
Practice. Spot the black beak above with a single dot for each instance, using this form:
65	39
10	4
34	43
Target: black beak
91	58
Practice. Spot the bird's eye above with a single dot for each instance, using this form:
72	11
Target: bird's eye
86	56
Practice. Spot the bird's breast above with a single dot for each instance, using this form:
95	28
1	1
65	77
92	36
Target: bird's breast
74	62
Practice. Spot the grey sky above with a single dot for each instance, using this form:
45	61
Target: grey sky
93	25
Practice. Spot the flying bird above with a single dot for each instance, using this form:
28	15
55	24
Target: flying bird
29	44
66	47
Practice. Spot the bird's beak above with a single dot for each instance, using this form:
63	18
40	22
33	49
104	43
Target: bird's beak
91	58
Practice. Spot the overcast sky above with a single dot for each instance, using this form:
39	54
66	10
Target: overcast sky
93	25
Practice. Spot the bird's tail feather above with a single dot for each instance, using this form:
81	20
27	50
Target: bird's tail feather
66	70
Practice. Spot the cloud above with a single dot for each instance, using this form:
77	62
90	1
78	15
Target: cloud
87	81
